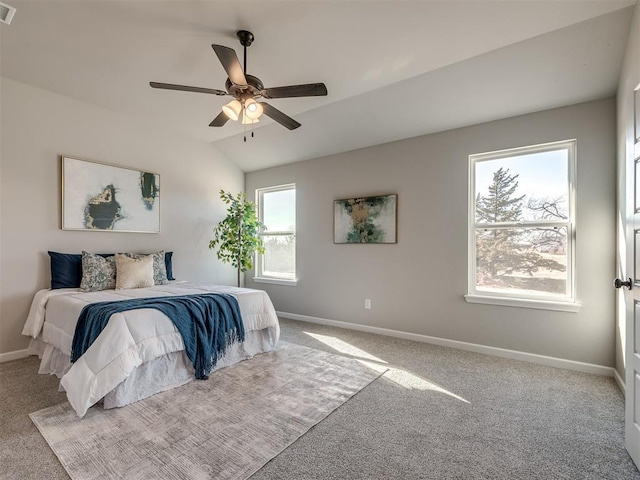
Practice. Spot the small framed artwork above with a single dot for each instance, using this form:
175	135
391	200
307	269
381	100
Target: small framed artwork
366	219
105	198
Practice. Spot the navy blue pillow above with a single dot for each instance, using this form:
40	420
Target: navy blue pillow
66	268
167	263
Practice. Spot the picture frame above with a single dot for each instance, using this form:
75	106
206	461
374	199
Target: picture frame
372	219
100	197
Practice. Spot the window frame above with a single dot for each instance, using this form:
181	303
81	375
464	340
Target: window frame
260	276
568	303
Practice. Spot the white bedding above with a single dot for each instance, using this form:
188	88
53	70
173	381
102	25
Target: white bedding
131	338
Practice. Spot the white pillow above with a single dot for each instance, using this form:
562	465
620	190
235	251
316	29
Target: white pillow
134	272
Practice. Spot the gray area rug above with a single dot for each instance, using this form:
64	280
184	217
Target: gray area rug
225	428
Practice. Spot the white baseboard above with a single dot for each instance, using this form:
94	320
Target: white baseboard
7	357
620	382
472	347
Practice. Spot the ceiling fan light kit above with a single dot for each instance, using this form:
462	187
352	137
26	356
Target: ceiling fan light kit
246	120
232	110
253	109
245	89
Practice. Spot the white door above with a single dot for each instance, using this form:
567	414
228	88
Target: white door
628	282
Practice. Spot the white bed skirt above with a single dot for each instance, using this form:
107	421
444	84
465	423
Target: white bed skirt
161	374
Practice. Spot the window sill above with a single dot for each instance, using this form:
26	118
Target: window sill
524	303
276	281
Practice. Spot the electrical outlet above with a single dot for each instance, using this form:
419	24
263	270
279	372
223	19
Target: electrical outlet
367	304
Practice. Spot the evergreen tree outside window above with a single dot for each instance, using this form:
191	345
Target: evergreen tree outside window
522	225
277	211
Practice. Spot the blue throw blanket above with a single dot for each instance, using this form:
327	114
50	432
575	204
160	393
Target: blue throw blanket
207	322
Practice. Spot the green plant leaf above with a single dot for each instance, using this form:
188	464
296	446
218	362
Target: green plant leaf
237	236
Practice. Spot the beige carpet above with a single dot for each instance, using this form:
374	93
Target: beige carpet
224	428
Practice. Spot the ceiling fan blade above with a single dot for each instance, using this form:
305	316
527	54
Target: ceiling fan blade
231	64
185	88
278	116
220	120
306	90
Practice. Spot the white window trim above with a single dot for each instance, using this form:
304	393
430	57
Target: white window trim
524	303
276	281
545	302
259	274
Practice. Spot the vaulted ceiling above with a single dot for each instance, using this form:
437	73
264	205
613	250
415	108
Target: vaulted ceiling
394	69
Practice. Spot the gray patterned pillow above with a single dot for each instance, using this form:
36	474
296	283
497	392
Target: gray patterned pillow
98	273
159	267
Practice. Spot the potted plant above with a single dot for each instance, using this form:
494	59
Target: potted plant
238	235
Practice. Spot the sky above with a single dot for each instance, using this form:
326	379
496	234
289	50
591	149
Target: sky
279	210
541	175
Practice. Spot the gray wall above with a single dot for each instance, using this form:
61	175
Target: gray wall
418	284
37	127
629	79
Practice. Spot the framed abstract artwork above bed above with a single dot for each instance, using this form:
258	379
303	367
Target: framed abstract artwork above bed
108	198
366	219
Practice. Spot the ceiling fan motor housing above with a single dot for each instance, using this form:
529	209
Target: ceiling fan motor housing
253	88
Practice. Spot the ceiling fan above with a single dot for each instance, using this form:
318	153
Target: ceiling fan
247	89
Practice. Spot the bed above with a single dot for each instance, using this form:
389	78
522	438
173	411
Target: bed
140	352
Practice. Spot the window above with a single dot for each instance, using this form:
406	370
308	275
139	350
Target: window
277	210
522	227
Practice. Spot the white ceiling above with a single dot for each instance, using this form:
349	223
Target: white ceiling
394	69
